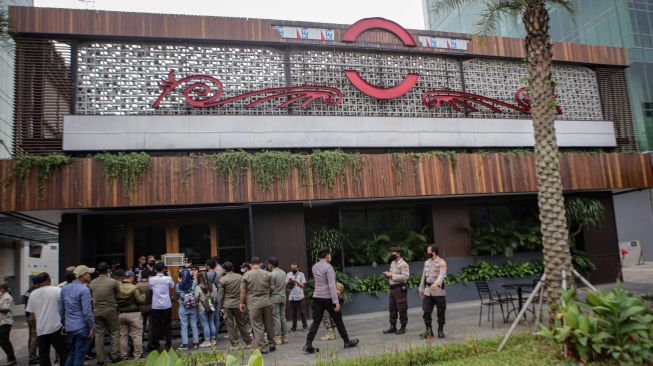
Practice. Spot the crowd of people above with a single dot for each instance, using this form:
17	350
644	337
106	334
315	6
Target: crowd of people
75	316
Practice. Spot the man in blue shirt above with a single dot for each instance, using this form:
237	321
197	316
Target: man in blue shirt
76	312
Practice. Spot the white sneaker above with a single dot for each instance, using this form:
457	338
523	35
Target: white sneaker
206	344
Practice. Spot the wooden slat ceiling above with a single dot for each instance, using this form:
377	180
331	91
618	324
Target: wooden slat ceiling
173	180
74	23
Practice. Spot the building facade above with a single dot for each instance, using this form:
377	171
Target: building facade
259	133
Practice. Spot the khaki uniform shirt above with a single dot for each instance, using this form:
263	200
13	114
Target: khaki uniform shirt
279	279
229	290
129	298
144	288
434	272
104	290
400	272
258	285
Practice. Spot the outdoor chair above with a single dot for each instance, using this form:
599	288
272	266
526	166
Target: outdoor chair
536	299
507	298
489	298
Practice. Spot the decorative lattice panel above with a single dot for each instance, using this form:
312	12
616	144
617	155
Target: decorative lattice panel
576	88
384	70
123	78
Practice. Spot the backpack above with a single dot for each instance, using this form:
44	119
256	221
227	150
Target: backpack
189	300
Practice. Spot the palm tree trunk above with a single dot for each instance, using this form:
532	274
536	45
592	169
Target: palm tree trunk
549	196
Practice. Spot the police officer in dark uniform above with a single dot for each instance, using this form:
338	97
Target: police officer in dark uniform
397	276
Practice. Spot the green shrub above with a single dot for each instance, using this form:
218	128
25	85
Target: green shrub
611	325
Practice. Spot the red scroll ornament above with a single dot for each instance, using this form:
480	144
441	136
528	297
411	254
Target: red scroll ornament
197	93
458	99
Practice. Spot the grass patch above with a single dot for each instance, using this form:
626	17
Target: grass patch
522	350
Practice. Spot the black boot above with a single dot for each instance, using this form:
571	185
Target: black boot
392	329
401	330
310	349
352	343
440	330
427	333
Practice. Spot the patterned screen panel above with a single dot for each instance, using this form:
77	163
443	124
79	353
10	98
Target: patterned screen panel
123	79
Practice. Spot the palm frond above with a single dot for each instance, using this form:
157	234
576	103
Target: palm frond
496	11
565	4
444	6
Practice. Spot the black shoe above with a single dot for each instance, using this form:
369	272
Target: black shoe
440	331
35	361
401	330
427	333
392	329
293	329
352	343
272	348
310	349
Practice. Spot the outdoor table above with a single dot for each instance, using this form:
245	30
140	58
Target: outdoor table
519	287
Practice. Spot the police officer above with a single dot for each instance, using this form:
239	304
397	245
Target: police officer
431	289
397	276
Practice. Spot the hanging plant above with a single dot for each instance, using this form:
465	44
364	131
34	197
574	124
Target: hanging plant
128	166
44	164
271	166
328	165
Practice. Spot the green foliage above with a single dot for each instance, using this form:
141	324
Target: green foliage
448	155
583	213
611	325
328	165
275	166
324	237
128	166
506	237
256	359
482	271
45	165
582	262
165	358
376	249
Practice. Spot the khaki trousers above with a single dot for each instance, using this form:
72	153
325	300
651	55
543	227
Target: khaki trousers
131	326
236	323
106	319
279	316
262	322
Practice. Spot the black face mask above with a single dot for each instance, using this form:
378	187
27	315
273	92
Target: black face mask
151	264
294	271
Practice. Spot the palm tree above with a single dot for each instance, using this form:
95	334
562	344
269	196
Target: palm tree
535	16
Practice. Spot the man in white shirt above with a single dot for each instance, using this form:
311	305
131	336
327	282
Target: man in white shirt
44	308
6	321
161	307
296	281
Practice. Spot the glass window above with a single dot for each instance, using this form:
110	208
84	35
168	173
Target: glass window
195	242
110	243
149	240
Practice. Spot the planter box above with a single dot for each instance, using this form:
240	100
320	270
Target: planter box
366	303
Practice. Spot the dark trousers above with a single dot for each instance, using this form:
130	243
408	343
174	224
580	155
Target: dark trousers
5	343
398	304
319	306
56	340
161	327
297	308
440	302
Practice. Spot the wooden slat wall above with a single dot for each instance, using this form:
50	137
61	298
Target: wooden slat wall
83	184
90	23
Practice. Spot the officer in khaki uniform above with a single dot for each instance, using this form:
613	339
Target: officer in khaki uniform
105	308
255	298
431	289
229	297
397	276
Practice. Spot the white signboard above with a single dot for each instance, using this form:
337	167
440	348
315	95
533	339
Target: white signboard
630	253
445	43
318	34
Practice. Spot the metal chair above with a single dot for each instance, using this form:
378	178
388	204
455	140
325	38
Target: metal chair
505	297
489	298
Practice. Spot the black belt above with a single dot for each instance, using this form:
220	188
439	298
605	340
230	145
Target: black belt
397	285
